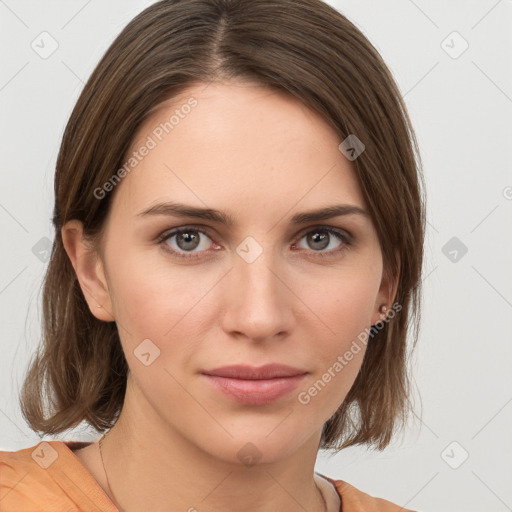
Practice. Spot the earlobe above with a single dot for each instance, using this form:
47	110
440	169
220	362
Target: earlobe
386	295
89	270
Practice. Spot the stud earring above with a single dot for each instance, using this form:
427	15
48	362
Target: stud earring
373	328
99	306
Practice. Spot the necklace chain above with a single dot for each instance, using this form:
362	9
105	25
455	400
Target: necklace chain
106	476
121	510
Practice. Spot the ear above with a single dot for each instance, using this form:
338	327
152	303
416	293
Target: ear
89	270
387	293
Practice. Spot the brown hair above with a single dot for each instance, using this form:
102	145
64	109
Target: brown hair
302	47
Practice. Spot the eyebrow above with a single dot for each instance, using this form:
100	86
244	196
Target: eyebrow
183	210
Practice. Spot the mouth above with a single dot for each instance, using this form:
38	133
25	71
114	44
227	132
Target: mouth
255	385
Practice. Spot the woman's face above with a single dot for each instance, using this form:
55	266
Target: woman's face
251	280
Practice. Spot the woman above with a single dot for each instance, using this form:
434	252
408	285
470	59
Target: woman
238	201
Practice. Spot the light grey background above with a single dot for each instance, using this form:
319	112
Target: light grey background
461	108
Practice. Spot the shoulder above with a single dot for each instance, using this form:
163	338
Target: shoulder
355	500
46	477
22	477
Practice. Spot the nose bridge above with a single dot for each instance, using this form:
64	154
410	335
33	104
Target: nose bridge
256	267
258	301
259	276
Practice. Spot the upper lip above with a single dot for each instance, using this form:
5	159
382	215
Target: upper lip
268	371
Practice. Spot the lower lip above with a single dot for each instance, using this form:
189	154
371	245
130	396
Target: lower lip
255	392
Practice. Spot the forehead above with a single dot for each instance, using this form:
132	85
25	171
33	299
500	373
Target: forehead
240	145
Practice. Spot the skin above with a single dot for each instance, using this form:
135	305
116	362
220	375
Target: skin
261	157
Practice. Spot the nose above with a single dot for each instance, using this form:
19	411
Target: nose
257	299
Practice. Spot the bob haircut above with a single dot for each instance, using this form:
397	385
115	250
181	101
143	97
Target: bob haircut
302	47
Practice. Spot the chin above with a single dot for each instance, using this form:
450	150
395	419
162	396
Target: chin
252	446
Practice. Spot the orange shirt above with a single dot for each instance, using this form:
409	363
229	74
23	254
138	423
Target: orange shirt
49	477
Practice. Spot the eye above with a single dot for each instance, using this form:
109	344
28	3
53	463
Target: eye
186	239
321	238
189	241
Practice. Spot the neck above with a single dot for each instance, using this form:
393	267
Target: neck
172	474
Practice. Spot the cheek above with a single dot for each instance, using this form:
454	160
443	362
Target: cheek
148	290
169	305
344	307
345	303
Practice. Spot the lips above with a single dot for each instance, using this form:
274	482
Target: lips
269	371
255	385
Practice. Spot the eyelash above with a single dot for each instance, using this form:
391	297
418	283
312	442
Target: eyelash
341	235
